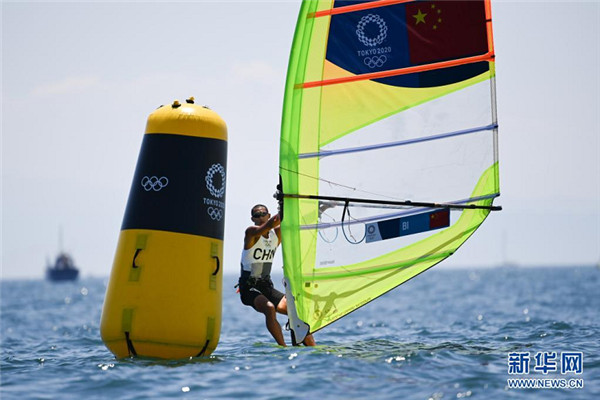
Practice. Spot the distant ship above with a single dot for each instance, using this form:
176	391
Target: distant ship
64	268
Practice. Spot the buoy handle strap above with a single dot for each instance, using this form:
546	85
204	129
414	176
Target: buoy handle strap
130	348
218	265
137	251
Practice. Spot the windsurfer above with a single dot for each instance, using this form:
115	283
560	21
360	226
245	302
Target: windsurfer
256	287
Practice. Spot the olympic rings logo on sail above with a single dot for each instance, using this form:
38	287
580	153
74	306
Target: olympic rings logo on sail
216	214
154	183
360	30
375	61
215	168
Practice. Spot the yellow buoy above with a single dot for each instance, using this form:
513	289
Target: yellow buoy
164	295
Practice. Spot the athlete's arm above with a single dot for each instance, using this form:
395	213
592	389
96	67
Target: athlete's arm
278	231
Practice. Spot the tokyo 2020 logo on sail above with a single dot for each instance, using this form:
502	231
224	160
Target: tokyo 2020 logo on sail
215	168
216	207
360	30
374	57
375	61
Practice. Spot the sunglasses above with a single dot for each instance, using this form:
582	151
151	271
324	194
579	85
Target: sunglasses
259	214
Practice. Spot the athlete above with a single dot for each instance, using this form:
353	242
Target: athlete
256	288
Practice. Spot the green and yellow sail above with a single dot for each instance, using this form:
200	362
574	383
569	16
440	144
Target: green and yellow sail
388	154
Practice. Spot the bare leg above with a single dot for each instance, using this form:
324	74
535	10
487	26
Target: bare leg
263	305
309	340
282	309
282	306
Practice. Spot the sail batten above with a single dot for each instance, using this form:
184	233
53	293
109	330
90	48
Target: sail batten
399	72
326	153
384	101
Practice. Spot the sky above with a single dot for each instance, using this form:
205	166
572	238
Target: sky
79	80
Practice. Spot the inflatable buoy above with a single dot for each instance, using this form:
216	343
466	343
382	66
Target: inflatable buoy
164	295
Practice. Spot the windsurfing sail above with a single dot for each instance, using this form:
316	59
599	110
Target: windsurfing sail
388	153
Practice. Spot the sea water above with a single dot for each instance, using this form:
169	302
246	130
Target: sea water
446	334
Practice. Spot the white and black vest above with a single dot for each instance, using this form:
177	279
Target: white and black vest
258	259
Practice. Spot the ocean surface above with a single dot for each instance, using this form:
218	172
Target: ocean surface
447	334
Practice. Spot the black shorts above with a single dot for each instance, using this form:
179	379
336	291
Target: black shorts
250	290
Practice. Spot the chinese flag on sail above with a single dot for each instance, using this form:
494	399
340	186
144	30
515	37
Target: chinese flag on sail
439	219
445	30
